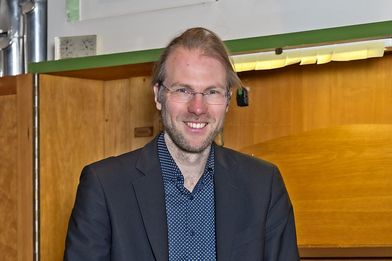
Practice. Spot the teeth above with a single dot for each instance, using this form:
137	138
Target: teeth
196	125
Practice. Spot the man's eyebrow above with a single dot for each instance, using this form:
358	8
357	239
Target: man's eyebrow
188	86
179	84
214	87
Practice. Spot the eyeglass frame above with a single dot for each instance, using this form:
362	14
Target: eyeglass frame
193	93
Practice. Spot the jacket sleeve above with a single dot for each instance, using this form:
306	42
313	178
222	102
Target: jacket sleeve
281	241
89	232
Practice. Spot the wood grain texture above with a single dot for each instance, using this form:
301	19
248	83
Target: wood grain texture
83	121
110	73
16	212
8	179
25	167
8	85
144	113
346	253
340	182
71	136
129	104
300	98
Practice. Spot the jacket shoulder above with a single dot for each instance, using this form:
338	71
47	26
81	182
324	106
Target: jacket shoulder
243	160
115	162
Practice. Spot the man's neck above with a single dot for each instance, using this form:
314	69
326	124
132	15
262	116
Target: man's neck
192	165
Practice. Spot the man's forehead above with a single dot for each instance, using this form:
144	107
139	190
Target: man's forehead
181	53
185	53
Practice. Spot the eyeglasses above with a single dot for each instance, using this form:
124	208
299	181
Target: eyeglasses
213	96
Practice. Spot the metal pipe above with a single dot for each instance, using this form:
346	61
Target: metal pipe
23	34
11	54
1	63
35	31
4	33
36	169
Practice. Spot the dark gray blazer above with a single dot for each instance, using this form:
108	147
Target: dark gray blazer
119	212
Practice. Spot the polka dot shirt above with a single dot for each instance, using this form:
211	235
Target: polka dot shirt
190	215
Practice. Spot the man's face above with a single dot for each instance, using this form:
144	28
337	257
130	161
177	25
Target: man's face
193	125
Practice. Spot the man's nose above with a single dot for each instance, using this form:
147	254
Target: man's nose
197	104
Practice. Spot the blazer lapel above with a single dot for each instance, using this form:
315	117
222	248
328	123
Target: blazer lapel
228	200
151	198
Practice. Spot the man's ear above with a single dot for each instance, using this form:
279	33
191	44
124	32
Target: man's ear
158	104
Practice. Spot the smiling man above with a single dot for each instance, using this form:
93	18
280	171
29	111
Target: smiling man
182	197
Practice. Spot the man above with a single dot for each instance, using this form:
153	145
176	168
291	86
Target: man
182	197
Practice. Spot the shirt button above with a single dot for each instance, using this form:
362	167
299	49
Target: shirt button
191	197
192	233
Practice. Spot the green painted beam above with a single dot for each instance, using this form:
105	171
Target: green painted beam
106	60
313	37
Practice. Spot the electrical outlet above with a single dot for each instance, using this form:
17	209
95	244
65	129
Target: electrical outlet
75	46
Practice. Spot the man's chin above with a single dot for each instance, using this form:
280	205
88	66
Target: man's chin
192	147
197	144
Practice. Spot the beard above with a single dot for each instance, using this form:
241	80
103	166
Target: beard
179	138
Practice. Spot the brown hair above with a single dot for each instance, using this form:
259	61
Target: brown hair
209	44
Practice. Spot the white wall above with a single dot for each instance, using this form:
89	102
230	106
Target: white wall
231	19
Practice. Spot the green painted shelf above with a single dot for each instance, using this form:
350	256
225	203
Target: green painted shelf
375	30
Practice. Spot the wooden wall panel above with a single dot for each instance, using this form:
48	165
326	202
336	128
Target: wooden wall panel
71	135
8	85
16	236
83	121
118	120
299	98
293	100
340	184
129	104
86	120
24	89
8	178
144	113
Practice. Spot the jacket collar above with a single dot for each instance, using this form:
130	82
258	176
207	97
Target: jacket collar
228	198
151	197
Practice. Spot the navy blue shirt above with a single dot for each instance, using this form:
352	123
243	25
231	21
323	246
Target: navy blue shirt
190	215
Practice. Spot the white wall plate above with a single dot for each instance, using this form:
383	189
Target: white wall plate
75	46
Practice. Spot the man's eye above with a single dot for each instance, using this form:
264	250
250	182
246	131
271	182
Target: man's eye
181	90
214	92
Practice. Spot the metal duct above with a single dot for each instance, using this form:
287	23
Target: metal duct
35	34
11	42
22	34
4	27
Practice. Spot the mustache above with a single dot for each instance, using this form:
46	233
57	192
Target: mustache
194	118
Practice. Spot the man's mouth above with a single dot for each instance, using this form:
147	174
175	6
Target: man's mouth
196	125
